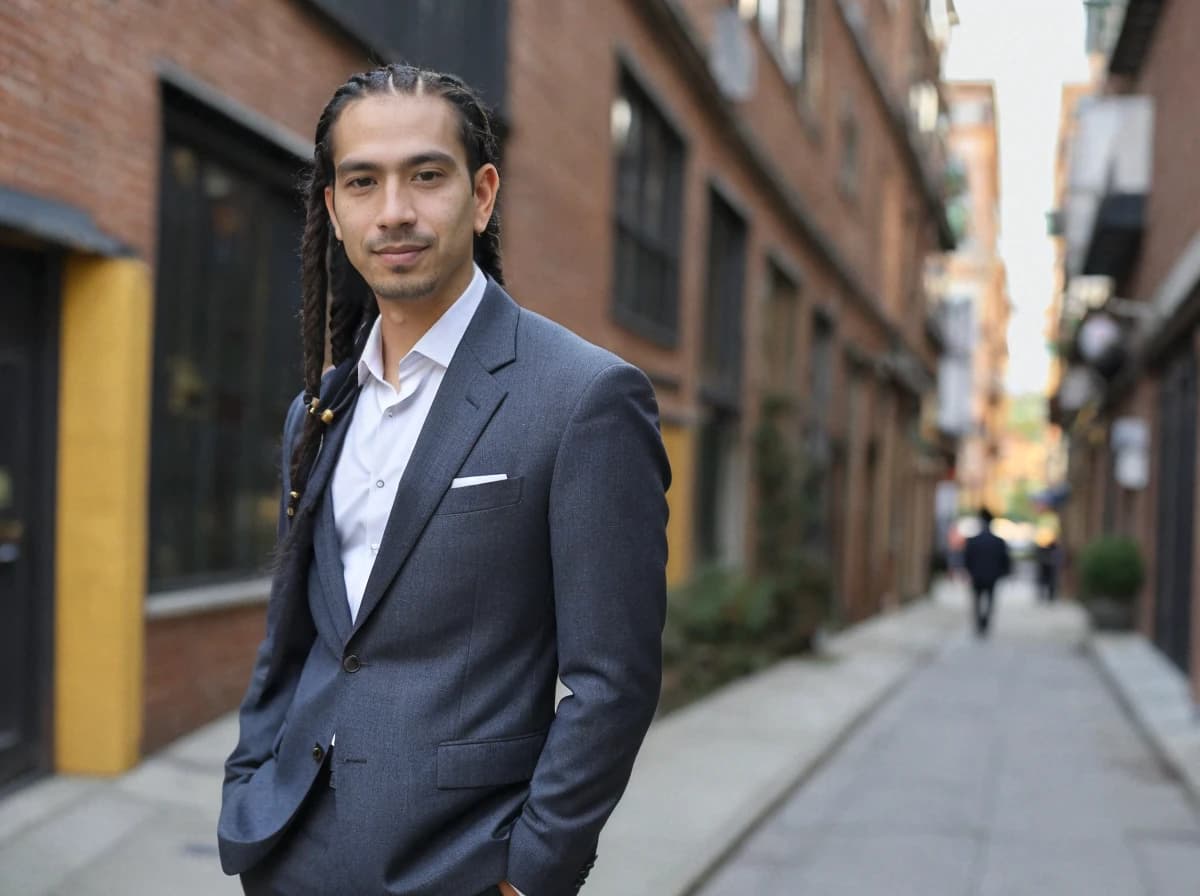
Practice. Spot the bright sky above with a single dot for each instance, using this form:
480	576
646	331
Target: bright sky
1029	48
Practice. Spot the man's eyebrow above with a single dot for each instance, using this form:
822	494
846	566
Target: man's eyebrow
430	157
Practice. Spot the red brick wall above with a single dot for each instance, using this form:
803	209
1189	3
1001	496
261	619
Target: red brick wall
1170	73
81	118
197	668
558	178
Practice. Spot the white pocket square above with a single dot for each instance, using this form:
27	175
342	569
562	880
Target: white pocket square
477	480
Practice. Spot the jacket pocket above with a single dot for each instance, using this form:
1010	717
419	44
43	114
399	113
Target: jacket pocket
488	763
485	496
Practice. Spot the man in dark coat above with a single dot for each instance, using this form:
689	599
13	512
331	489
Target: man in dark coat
987	561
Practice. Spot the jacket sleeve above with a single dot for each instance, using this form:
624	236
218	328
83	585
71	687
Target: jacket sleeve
262	709
607	520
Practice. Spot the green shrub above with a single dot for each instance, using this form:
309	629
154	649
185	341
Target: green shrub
1111	567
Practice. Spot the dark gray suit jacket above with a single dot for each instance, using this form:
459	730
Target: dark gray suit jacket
453	771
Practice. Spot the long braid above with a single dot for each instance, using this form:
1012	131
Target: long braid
351	300
314	288
337	303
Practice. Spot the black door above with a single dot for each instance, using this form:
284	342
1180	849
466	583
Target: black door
27	361
1176	505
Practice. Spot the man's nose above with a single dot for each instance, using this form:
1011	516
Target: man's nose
398	209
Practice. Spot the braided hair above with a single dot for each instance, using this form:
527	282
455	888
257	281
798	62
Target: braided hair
336	301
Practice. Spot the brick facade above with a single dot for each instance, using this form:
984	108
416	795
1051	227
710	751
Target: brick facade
82	124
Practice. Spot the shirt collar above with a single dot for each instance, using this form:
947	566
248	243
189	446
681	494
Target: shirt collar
439	342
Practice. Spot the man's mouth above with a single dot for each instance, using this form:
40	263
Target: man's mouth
400	255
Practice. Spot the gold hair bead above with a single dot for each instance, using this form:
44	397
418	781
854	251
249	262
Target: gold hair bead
327	416
294	495
291	510
313	405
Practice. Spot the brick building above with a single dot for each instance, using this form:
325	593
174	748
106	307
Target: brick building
739	198
976	293
1128	397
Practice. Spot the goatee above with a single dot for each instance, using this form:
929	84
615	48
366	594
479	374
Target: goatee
418	289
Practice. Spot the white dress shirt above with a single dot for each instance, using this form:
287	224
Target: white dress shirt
384	431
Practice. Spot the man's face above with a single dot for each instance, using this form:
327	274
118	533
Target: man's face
402	200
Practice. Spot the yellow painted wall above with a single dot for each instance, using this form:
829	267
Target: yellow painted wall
100	550
680	444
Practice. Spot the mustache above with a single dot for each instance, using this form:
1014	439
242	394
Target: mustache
400	239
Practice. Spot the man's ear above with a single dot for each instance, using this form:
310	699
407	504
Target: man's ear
487	186
337	231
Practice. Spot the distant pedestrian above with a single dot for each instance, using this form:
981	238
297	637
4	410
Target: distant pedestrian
987	561
1049	561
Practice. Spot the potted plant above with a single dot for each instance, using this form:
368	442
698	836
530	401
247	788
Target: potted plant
1111	574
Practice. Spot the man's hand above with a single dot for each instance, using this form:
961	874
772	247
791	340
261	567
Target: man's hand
508	889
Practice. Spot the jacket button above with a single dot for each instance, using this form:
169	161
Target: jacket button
317	753
351	663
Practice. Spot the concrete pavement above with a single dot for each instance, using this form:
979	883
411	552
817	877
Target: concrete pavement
706	774
917	751
1004	768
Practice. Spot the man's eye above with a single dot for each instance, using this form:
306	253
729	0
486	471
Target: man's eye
428	177
359	182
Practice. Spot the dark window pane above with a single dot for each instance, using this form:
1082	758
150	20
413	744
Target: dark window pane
723	300
649	163
225	356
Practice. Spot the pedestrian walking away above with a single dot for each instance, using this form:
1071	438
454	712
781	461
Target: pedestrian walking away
987	561
1049	562
473	507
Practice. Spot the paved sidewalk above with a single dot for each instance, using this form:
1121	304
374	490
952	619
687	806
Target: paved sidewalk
707	773
1157	694
1004	768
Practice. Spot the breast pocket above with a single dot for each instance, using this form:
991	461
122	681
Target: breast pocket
486	496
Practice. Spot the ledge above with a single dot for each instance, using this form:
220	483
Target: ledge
207	599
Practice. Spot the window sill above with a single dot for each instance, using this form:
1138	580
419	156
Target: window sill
208	598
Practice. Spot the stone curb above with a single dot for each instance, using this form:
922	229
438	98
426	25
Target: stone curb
1157	696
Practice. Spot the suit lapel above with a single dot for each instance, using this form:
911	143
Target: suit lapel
318	502
328	551
331	445
466	400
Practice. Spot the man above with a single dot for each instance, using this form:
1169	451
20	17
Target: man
473	507
987	561
1049	561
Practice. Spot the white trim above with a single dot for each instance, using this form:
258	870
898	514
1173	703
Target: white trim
187	601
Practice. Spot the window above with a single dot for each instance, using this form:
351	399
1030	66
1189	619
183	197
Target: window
649	198
722	359
779	336
226	353
820	371
719	490
788	28
848	169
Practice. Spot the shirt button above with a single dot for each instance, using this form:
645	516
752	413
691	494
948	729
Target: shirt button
379	483
374	545
391	413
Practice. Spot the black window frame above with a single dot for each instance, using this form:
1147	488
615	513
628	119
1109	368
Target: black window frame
218	142
722	338
647	307
783	289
